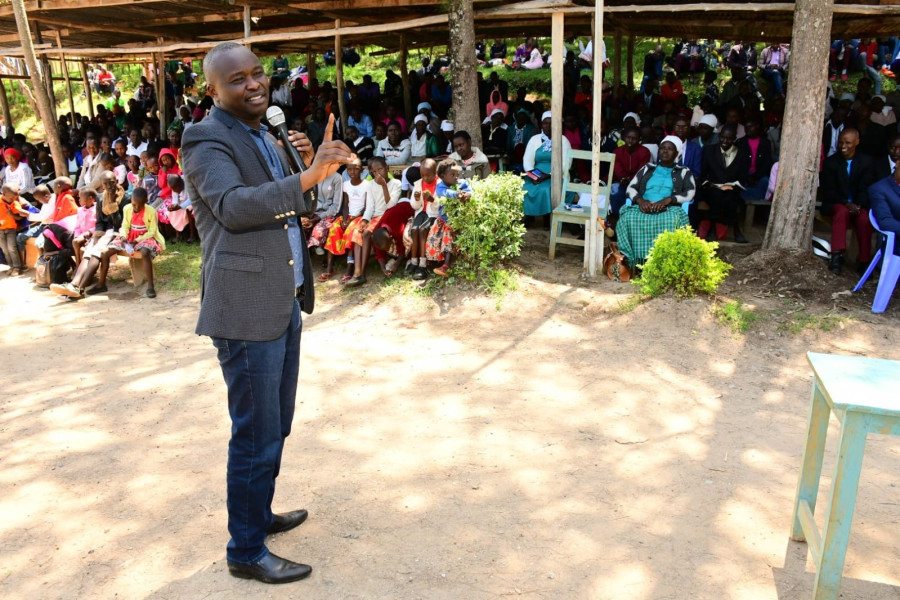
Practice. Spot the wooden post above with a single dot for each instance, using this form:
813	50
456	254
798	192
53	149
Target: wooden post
593	245
88	93
161	98
617	59
629	66
4	104
65	70
556	108
793	207
339	73
40	92
310	65
247	20
46	70
404	75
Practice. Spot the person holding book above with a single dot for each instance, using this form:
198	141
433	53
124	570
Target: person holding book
537	162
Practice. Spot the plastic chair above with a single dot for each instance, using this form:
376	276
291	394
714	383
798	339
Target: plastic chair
562	215
890	268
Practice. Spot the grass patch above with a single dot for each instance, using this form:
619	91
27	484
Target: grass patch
735	315
801	321
499	283
629	304
178	268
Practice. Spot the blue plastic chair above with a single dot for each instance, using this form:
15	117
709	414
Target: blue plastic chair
890	269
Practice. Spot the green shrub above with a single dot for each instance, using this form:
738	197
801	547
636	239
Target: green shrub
488	227
682	262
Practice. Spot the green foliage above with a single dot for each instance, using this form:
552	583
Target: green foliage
682	262
488	227
736	316
629	304
801	321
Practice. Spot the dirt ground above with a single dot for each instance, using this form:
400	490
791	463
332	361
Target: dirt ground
559	447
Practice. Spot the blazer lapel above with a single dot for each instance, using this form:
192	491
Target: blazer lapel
243	137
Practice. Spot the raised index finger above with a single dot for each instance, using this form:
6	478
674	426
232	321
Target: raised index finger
329	130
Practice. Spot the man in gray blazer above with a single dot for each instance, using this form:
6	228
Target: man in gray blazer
256	278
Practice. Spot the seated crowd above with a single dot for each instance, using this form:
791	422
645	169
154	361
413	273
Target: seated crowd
675	163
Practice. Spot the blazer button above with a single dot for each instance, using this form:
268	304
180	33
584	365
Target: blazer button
285	226
291	262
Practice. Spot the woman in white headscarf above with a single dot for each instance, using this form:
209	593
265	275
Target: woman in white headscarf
537	165
658	194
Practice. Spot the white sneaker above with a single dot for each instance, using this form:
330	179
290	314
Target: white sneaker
66	289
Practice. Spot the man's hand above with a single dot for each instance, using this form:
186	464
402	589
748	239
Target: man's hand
331	154
854	209
305	223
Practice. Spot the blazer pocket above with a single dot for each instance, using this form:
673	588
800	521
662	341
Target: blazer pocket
233	261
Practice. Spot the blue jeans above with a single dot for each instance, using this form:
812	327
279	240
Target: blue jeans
262	386
776	81
869	72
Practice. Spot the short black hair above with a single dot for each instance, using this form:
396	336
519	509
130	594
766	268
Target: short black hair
445	165
377	159
463	134
139	193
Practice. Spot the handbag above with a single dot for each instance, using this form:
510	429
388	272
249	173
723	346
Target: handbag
42	272
614	265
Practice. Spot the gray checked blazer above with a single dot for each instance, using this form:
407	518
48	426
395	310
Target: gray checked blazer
247	288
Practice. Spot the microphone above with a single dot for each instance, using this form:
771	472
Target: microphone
275	117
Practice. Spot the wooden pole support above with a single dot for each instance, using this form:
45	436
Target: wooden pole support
404	75
556	109
593	245
339	72
4	104
65	70
40	92
88	93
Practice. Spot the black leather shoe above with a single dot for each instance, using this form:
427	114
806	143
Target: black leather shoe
837	261
287	521
271	569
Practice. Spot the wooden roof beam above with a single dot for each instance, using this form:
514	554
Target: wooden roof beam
143	33
51	5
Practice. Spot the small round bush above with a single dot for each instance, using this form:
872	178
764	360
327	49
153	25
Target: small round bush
683	263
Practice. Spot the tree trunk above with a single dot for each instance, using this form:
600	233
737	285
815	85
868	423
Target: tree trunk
794	205
466	114
40	92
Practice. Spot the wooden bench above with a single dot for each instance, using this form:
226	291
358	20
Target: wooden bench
32	253
137	268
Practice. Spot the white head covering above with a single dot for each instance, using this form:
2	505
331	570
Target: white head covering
847	96
710	120
547	115
423	105
420	119
495	111
637	119
446	125
675	141
883	98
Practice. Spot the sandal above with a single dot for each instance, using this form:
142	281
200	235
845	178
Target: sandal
442	271
325	276
346	278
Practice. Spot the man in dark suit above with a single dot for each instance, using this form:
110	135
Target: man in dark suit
256	277
725	168
884	166
885	198
845	180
